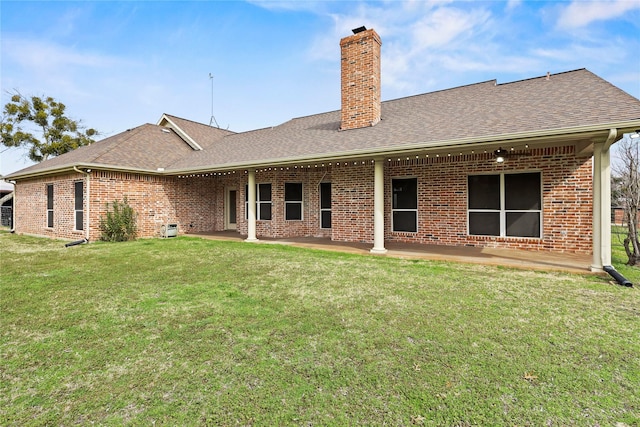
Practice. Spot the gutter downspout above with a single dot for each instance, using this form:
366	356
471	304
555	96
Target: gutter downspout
13	210
87	174
602	202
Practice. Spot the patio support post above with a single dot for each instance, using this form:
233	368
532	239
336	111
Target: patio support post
602	203
251	211
378	206
596	265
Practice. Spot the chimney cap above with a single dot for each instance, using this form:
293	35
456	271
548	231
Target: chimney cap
359	29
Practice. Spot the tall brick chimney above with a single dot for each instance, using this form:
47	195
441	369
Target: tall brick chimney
360	79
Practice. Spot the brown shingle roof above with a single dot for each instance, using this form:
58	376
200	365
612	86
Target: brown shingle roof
484	110
146	147
204	135
480	112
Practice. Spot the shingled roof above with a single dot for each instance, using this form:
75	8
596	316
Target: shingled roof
567	103
144	148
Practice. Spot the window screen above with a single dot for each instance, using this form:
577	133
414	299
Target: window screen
405	204
325	205
50	205
293	201
505	204
522	191
484	192
79	205
263	202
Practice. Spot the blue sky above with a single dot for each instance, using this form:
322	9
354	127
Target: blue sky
117	65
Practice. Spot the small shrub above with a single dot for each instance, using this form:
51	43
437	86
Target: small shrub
119	224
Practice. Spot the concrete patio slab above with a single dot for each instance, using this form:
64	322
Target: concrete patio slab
527	260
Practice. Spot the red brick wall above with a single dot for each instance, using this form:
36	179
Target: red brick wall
442	200
196	203
31	207
352	202
149	196
309	226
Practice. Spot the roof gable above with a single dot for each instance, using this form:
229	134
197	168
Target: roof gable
197	135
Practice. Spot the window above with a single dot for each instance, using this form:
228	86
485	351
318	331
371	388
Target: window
325	205
79	204
293	201
505	205
50	205
404	209
263	202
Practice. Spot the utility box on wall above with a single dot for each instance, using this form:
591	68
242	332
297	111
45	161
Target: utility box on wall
169	230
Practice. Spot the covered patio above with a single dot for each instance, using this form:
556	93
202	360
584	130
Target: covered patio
521	259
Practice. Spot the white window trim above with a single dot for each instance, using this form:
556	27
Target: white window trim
294	202
75	211
393	227
53	202
259	202
503	212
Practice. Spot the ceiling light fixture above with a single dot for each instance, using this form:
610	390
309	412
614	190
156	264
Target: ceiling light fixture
500	155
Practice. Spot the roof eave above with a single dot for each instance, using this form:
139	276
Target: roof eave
593	133
85	166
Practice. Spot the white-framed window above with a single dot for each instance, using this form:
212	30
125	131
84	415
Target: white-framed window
404	205
325	205
506	204
263	202
293	201
50	205
78	191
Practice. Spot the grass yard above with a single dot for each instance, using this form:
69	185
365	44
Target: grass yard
187	331
619	256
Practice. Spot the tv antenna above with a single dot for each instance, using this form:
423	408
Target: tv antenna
212	120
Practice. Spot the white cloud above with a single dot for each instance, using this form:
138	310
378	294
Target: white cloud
417	37
582	13
41	54
513	4
445	26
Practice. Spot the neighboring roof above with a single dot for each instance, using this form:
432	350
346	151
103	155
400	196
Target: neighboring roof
559	104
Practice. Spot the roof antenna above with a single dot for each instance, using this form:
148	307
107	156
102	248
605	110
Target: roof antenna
212	119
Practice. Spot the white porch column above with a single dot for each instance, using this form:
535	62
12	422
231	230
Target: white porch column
596	264
378	206
601	206
251	209
605	206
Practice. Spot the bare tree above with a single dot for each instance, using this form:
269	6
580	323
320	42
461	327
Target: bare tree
626	171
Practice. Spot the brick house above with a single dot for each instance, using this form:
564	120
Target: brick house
521	165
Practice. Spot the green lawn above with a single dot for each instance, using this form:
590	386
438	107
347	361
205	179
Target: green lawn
619	256
187	331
